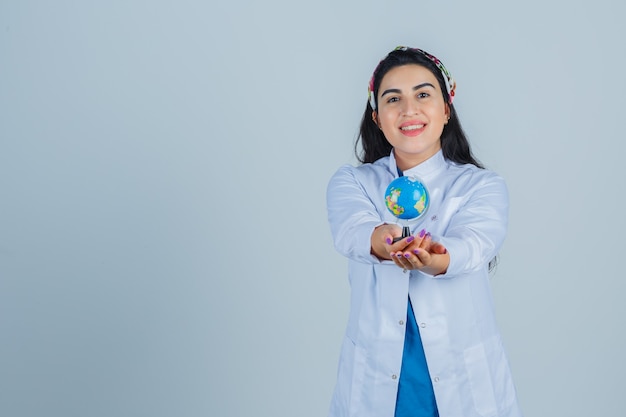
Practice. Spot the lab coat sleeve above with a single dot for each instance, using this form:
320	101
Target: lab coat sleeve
352	215
478	228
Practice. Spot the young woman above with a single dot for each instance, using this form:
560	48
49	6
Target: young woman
421	338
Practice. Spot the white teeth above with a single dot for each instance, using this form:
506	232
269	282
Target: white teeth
413	127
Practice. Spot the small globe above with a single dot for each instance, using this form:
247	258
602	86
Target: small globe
407	198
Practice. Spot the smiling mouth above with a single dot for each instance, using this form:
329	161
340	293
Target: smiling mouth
411	127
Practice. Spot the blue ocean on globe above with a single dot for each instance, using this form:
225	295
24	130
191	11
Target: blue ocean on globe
407	198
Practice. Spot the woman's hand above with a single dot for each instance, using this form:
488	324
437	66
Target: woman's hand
413	252
382	239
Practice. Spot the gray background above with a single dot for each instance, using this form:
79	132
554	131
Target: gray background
164	249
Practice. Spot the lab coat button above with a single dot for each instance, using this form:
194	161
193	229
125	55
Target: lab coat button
401	322
436	379
394	376
422	325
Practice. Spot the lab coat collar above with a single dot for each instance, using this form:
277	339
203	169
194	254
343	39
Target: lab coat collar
424	170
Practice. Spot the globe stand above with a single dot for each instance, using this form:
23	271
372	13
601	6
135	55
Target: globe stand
406	232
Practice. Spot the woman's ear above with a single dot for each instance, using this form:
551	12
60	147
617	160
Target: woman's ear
447	113
375	118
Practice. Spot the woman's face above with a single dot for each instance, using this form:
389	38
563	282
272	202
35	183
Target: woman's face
411	113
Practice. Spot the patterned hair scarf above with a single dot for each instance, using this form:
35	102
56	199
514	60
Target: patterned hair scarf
450	83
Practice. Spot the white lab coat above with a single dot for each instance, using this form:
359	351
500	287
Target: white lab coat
468	213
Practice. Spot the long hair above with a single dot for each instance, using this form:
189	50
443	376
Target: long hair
454	143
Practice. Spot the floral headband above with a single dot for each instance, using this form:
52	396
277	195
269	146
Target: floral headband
447	78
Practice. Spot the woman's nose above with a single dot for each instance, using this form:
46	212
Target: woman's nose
410	107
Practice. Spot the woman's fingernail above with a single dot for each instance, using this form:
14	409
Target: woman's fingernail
428	235
416	251
389	241
392	254
410	239
422	233
407	255
399	254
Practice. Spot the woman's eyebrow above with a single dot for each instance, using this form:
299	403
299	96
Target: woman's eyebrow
417	87
398	91
391	90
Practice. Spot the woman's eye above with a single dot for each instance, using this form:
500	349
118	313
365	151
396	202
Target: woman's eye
423	95
392	100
